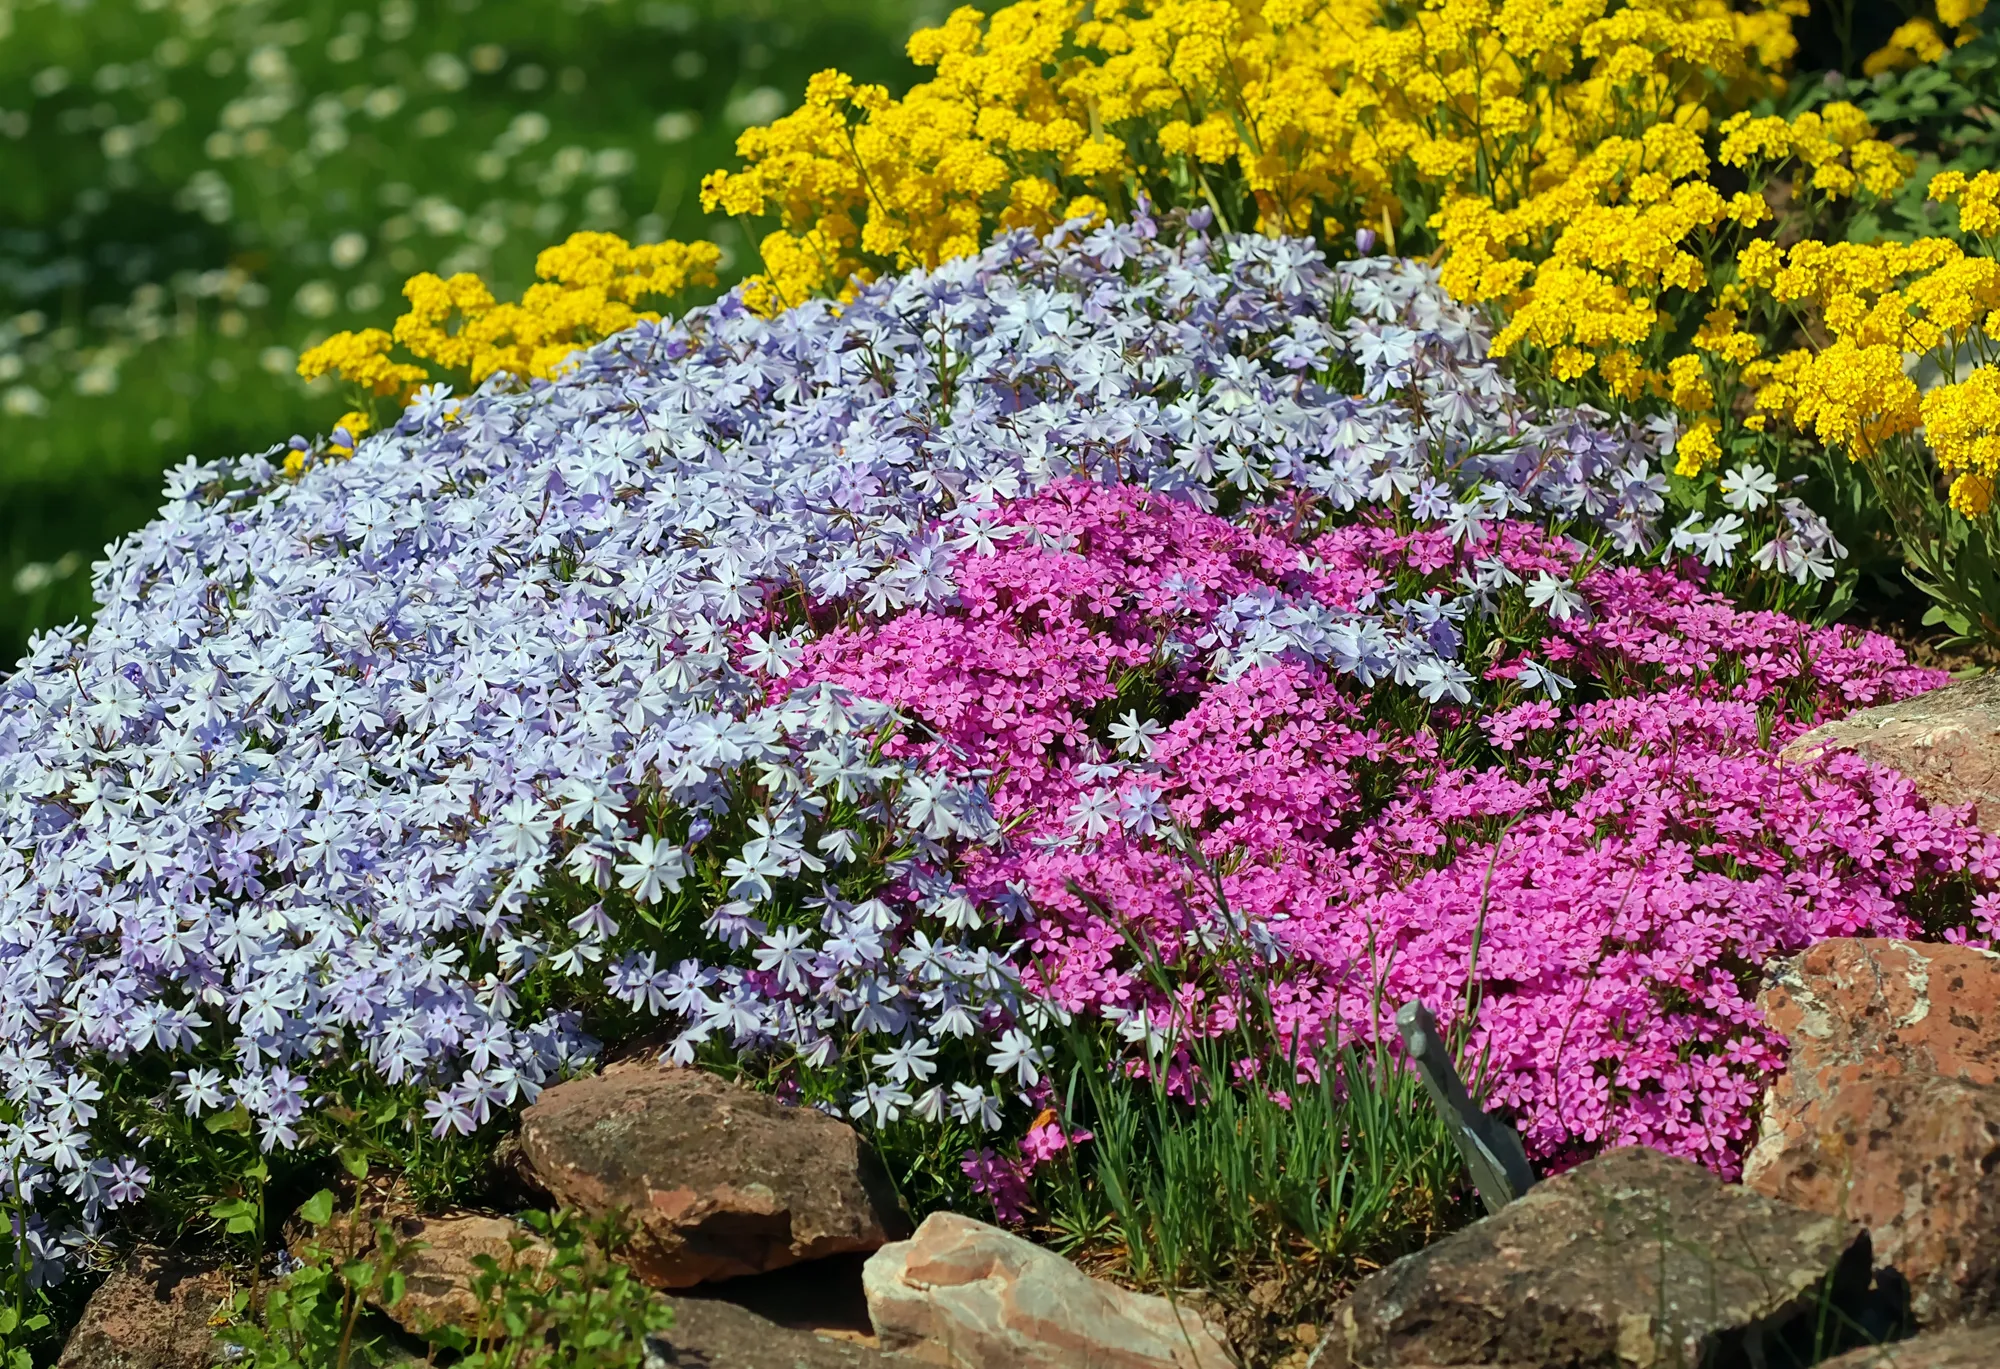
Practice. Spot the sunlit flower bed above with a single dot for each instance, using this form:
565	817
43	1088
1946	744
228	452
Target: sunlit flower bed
862	691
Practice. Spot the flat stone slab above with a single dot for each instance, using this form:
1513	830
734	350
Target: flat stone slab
709	1333
965	1295
1958	1347
1632	1260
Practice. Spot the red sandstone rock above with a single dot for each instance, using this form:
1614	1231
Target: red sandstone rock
966	1295
1632	1259
720	1180
1960	1347
438	1270
158	1311
1857	1007
1889	1113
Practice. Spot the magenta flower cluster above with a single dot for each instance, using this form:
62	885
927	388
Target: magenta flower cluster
1599	874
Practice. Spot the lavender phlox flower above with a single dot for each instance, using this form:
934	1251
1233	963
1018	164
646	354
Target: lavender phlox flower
1534	675
655	869
884	1101
1016	1053
908	1060
785	953
1714	542
1804	547
975	1106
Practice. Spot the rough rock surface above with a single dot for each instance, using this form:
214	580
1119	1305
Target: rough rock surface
967	1295
824	1297
1861	1008
1959	1347
154	1312
1889	1113
438	1274
1947	742
1632	1259
720	1180
709	1333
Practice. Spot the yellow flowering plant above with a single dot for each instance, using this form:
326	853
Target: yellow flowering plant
589	287
1560	157
1898	370
1585	170
1923	38
1295	116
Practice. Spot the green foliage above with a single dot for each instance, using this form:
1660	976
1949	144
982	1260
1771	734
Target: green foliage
198	190
560	1299
1228	1152
579	1310
17	1333
1332	1164
1953	561
317	1316
1890	513
213	1177
26	1320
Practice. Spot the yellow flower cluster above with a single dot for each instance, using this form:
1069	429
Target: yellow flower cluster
588	289
362	359
1582	268
354	423
1297	115
1880	305
1962	424
1917	40
854	175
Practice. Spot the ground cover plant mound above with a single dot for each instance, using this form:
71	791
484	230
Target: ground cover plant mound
860	690
367	783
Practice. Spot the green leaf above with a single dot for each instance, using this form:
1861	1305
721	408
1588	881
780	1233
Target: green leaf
318	1209
237	1119
355	1163
1840	601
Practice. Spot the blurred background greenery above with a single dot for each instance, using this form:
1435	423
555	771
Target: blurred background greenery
196	190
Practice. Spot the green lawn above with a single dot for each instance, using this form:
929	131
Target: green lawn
195	190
